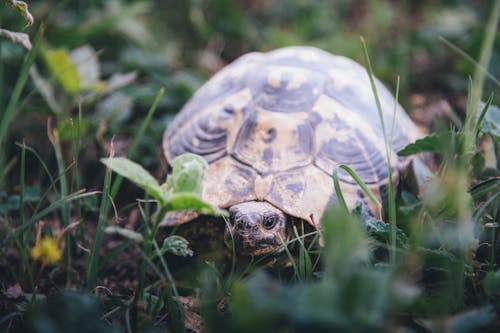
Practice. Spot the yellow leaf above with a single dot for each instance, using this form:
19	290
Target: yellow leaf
63	69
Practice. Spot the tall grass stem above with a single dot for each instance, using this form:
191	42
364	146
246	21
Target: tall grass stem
8	115
388	150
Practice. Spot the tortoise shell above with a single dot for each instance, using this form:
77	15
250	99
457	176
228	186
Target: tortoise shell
273	126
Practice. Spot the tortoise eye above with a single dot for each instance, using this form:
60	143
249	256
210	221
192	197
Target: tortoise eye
269	222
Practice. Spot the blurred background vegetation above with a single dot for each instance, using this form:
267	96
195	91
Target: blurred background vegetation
99	66
179	44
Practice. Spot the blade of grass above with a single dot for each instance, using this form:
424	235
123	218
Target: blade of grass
21	239
467	57
391	202
361	184
459	161
42	163
338	190
137	137
40	215
305	264
9	113
1	81
479	74
290	256
76	146
479	123
93	259
53	135
109	192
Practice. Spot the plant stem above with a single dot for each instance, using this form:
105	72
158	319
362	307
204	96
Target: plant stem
63	189
388	151
93	261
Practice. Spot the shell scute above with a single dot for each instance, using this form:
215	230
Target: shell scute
274	126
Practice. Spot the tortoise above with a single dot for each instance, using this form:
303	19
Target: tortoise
272	127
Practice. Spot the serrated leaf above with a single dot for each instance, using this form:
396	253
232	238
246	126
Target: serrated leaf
379	229
64	70
430	143
127	233
188	171
177	245
136	174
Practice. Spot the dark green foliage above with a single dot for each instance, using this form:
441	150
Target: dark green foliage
69	312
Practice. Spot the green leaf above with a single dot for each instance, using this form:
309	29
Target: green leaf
430	143
187	174
346	245
31	194
127	233
492	283
177	245
379	229
64	69
136	174
190	201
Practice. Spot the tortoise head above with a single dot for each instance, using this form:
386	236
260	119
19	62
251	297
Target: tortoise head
255	228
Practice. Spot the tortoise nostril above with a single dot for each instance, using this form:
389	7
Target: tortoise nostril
244	226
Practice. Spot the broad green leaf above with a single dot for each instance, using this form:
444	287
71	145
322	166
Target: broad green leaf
190	201
188	171
430	143
379	229
346	245
492	283
64	69
177	245
136	174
